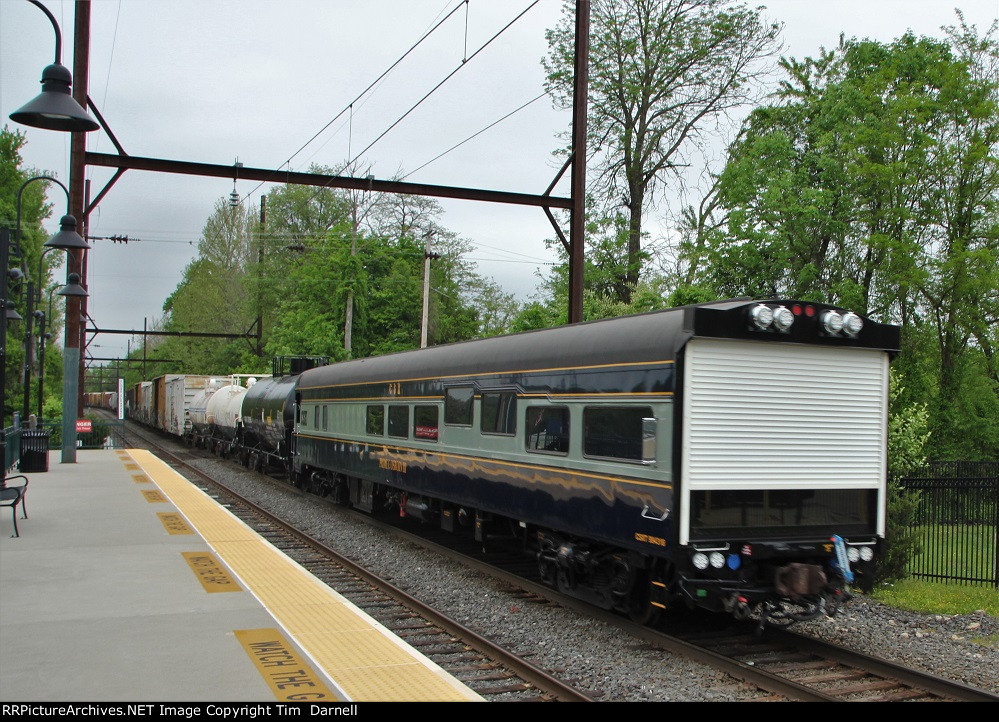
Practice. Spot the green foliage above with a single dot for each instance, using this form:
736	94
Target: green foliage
26	253
908	435
327	273
871	182
660	75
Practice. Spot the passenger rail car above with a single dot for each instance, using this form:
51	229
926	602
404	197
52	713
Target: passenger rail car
729	456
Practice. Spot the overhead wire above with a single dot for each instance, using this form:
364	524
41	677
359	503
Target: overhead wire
364	92
465	59
474	135
433	90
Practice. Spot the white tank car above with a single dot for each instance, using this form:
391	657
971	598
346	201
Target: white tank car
198	408
225	409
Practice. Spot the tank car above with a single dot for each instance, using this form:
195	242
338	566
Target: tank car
267	419
199	432
728	456
268	414
222	414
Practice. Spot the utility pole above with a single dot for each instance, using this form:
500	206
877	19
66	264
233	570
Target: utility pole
426	290
72	358
260	279
348	324
578	214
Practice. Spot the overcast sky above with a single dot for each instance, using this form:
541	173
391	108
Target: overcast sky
251	81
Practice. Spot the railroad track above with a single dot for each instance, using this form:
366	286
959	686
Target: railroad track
786	665
495	673
783	665
830	672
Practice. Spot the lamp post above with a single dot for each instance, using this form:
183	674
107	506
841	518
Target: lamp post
54	109
42	337
66	239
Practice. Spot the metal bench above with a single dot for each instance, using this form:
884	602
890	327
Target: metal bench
13	494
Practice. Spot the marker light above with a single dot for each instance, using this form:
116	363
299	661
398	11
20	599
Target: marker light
852	324
717	560
832	322
700	560
866	553
853	554
783	319
763	317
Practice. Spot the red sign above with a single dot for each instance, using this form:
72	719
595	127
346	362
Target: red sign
84	426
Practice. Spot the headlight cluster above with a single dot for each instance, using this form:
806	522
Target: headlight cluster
716	559
845	324
766	318
861	553
779	318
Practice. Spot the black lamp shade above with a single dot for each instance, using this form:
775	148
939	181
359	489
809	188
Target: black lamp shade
72	287
67	238
55	108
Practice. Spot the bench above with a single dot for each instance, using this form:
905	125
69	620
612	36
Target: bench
13	494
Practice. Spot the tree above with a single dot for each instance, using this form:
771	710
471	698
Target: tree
213	296
27	255
661	73
871	182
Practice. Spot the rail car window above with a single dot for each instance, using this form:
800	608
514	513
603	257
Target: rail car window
548	429
304	421
614	432
458	406
376	420
499	413
425	422
326	416
398	424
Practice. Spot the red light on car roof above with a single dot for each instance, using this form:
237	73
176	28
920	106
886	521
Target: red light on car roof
809	311
796	309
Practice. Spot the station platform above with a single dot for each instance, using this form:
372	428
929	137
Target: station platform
129	584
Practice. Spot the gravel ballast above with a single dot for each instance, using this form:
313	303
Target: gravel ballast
964	648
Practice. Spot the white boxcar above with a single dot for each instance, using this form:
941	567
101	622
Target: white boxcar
147	407
180	392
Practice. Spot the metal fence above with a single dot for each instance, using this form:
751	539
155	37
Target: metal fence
12	447
957	521
28	448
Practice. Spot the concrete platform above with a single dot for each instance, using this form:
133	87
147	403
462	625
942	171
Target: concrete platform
128	584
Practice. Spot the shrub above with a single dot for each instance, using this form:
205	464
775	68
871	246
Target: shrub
907	437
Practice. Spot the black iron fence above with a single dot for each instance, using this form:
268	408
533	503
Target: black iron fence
957	521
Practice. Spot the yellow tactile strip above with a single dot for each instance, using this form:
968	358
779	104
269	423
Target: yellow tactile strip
366	661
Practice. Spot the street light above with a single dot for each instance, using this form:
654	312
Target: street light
42	338
67	239
55	108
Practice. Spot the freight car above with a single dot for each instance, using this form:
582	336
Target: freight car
728	456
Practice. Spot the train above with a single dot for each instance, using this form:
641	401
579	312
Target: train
726	456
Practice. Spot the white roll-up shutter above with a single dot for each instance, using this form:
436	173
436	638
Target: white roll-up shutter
762	415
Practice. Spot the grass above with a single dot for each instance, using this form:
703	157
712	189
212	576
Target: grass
919	595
